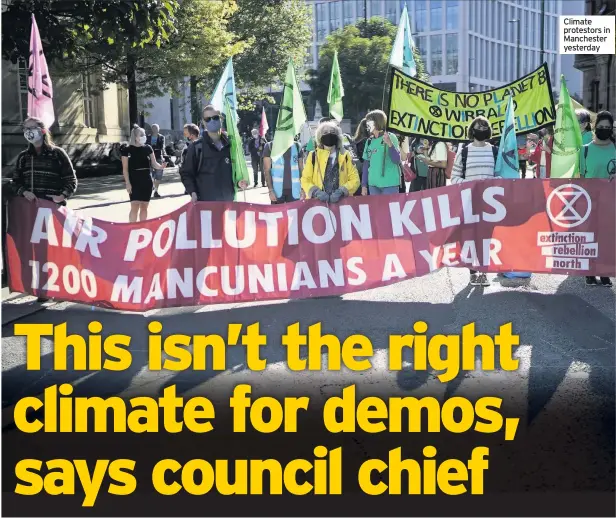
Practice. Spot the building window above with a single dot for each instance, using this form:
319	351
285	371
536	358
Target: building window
452	15
321	22
422	45
359	7
335	16
452	54
347	13
420	16
436	15
22	78
436	51
391	13
88	101
375	8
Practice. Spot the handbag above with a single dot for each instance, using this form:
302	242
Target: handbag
408	171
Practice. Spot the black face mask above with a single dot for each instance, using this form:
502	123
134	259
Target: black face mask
481	134
603	133
329	139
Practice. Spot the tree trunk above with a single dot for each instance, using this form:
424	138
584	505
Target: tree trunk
131	78
194	100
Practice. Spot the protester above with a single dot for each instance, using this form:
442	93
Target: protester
138	158
157	142
523	153
329	173
542	155
419	166
43	170
283	176
598	160
255	146
359	141
583	118
381	167
404	154
207	172
191	133
476	161
436	159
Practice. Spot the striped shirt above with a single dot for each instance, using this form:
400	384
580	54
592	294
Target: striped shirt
479	164
49	173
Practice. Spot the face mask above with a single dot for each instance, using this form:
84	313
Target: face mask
33	135
481	134
329	139
143	140
603	133
213	126
370	126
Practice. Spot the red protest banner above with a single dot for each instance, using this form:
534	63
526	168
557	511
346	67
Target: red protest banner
234	252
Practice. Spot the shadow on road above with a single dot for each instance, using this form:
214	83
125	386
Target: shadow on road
563	329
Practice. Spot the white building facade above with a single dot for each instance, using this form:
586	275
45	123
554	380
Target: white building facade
467	45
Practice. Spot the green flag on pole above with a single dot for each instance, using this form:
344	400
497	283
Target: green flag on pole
567	138
336	91
238	162
291	116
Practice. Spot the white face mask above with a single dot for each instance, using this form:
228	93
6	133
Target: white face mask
142	140
33	135
370	126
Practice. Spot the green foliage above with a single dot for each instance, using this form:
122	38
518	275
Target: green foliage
87	30
363	54
275	30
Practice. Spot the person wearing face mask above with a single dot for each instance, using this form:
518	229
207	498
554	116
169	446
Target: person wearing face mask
191	133
381	167
329	174
476	161
43	170
157	142
598	160
207	172
137	160
542	155
583	118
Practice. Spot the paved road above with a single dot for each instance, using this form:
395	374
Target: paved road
563	391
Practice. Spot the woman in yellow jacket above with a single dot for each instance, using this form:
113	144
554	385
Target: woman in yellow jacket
329	173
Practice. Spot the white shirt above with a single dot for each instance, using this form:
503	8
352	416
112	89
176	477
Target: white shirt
479	164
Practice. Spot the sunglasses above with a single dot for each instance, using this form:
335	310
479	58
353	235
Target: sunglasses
214	118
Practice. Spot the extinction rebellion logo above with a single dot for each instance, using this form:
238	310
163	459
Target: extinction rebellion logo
568	206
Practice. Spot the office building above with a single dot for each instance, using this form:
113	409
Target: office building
599	71
467	45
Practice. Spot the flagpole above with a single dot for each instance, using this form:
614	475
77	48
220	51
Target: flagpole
384	87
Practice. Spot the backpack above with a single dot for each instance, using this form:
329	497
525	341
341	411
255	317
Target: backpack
451	158
465	157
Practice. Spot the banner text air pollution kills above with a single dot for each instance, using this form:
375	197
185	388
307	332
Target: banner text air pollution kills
230	253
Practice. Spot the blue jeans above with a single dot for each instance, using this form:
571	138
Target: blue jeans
383	190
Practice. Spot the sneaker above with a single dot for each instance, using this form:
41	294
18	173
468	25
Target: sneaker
482	280
474	281
591	281
156	195
606	281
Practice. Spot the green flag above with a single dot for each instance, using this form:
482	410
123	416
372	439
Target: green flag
336	91
238	162
567	138
291	116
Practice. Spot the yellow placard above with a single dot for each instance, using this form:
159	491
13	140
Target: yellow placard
419	109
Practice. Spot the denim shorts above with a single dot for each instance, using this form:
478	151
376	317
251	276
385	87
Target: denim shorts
157	174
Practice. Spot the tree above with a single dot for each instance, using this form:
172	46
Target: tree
363	54
274	31
92	35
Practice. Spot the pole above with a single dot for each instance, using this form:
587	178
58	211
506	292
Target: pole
542	33
385	87
519	65
365	11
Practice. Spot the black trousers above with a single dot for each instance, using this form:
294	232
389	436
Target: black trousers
523	168
420	183
256	165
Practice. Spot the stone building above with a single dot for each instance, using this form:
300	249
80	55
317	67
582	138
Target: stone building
599	83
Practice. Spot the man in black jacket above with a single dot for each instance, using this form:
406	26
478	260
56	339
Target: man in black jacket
207	172
255	146
157	142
